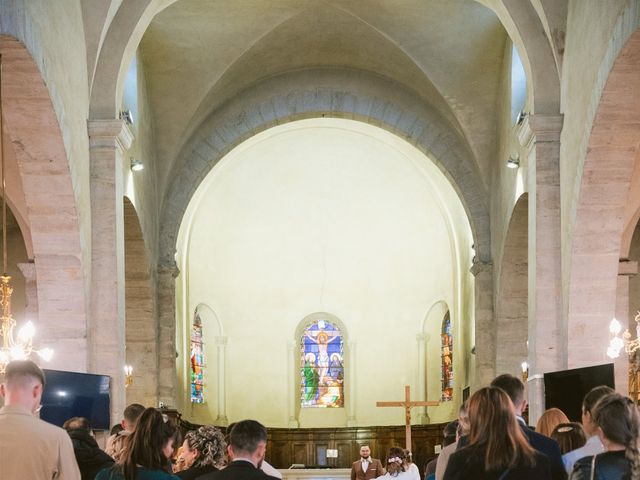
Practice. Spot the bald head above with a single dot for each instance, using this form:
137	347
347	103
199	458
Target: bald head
23	385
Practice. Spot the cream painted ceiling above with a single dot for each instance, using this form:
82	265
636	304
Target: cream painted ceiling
199	53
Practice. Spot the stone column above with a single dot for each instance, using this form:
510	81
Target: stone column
547	333
108	139
28	270
423	385
292	383
626	270
485	328
350	400
167	375
221	346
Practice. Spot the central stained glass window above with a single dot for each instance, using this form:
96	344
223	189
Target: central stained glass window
321	366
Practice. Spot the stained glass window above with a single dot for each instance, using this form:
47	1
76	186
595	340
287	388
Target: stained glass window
321	366
447	360
197	362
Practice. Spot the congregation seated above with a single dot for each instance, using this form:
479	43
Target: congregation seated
497	446
570	436
618	422
202	452
593	445
91	459
147	453
549	420
462	430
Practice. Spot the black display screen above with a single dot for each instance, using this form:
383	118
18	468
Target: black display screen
566	389
71	394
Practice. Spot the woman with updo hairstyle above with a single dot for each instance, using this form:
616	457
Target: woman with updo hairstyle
618	425
147	452
497	448
570	436
396	465
202	452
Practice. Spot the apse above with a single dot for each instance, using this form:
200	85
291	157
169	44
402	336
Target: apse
337	232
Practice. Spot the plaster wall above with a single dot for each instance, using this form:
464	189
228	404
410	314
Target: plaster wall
372	233
53	34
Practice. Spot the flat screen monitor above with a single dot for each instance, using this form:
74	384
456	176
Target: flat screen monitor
71	394
566	389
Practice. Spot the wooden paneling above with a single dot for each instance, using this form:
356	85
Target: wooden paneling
301	445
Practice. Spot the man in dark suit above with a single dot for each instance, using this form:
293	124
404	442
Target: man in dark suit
515	389
247	446
366	468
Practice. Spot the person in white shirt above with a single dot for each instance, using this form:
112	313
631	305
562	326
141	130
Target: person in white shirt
593	445
411	467
396	469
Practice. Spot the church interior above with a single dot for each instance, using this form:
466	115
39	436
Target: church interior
290	211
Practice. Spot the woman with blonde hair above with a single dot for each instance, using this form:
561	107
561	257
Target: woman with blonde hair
497	449
549	420
618	424
202	452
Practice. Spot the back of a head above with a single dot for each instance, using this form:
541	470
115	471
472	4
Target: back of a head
549	420
495	430
395	461
570	436
132	412
145	447
594	395
449	433
76	423
210	444
618	418
19	373
246	436
511	385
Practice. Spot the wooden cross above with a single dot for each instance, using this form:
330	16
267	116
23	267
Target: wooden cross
408	405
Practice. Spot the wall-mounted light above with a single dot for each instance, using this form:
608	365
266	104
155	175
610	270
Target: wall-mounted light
128	375
521	116
525	371
127	116
513	161
136	165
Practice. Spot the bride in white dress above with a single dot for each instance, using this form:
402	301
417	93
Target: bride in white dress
396	468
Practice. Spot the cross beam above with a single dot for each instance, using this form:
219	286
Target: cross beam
408	404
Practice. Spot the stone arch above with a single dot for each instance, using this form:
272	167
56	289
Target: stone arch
37	144
356	95
512	293
612	155
140	327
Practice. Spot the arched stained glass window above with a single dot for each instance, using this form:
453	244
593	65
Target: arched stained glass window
518	85
197	361
447	360
321	366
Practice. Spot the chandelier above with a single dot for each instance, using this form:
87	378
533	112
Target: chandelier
617	343
18	347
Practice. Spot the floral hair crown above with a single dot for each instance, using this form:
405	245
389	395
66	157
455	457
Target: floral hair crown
394	460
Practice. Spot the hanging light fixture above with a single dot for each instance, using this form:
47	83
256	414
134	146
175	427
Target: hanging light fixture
20	347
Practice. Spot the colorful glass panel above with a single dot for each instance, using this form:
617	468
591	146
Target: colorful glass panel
321	366
447	360
197	362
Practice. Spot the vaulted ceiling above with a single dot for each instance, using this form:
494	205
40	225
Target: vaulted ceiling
200	53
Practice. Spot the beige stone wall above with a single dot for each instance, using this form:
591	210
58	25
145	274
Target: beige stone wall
53	34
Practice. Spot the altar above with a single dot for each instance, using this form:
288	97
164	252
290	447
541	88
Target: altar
315	473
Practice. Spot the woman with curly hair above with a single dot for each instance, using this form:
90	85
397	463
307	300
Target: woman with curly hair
497	449
396	468
147	451
618	428
202	452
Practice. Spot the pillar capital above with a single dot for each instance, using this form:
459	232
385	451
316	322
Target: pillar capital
108	134
546	127
627	268
479	267
169	268
28	270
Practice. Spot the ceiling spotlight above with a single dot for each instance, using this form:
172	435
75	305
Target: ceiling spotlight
513	161
136	165
127	116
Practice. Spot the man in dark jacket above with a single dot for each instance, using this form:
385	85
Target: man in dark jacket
88	455
515	389
247	446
